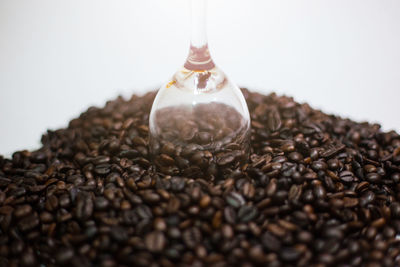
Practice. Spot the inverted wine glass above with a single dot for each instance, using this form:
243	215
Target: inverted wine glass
199	121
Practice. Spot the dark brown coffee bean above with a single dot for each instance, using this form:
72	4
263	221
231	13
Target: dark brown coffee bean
100	203
155	241
188	132
373	177
274	120
230	215
333	164
395	209
102	169
22	211
369	168
204	137
84	206
346	176
290	254
319	165
247	213
28	223
225	158
192	237
319	191
367	198
295	156
332	150
227	231
270	242
166	160
177	184
168	148
235	199
350	202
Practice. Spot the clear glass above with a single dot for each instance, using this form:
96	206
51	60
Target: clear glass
199	121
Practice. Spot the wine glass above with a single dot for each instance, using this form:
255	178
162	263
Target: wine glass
199	121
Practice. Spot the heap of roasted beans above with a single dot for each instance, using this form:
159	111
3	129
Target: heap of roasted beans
317	190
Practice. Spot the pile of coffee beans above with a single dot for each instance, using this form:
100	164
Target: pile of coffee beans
318	190
206	141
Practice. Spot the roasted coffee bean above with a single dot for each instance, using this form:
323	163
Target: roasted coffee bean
204	137
235	199
295	156
317	190
192	237
270	242
118	233
100	203
28	223
177	184
102	169
319	165
247	213
290	254
22	211
366	198
373	177
346	176
274	120
155	241
333	164
84	206
230	215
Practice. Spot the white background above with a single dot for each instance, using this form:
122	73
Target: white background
57	57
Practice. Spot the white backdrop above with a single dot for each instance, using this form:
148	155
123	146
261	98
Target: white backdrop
57	57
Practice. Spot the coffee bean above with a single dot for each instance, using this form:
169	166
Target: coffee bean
319	191
234	199
333	164
289	254
332	150
230	215
188	132
350	202
204	137
192	237
100	203
247	213
225	158
177	184
274	120
319	165
346	176
369	168
395	209
166	160
205	201
84	206
28	223
159	224
102	169
17	247
227	231
22	211
295	156
367	198
373	177
155	241
270	242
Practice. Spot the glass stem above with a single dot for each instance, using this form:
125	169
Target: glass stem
199	58
199	24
